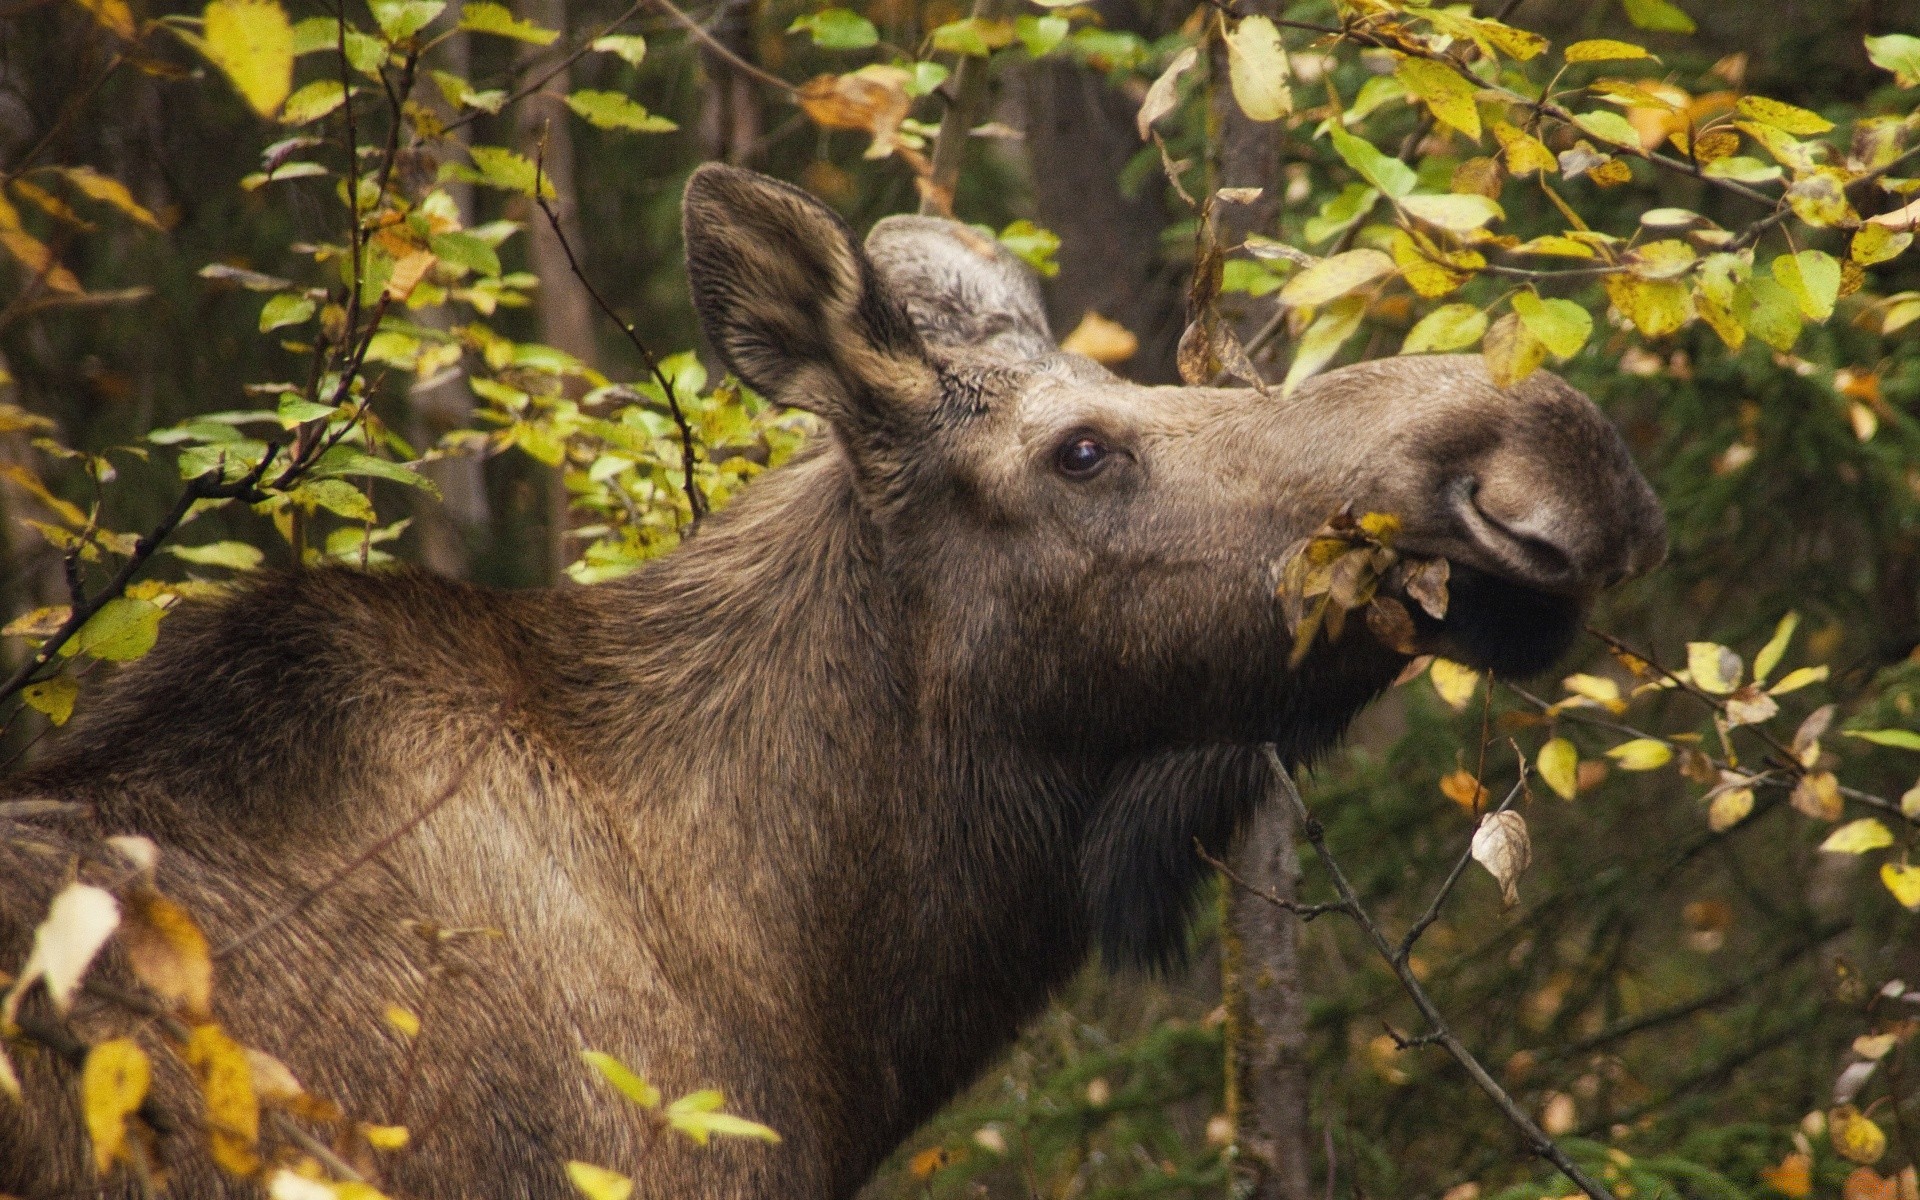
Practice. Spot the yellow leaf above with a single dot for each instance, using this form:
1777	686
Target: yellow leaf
168	952
1656	307
1729	808
1854	1135
1795	680
113	15
1525	154
1108	343
109	190
1788	118
1559	764
113	1082
1443	90
1776	647
252	42
1714	668
54	697
1817	795
1641	754
385	1137
1876	244
1511	351
1903	881
225	1077
1604	50
1455	683
1449	327
1858	837
1332	278
1597	688
31	253
598	1183
1257	69
1454	212
697	1115
1874	1047
403	1020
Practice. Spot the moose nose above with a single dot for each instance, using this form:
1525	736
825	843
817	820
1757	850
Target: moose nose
1565	540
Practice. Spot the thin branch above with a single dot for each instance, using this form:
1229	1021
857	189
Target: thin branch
696	499
950	148
714	44
1441	1033
1404	950
572	57
1306	912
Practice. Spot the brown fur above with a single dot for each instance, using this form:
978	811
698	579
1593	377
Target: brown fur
820	807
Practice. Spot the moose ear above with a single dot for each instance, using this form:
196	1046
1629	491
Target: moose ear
960	288
792	303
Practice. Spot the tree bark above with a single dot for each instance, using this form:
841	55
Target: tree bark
1267	1085
730	117
563	310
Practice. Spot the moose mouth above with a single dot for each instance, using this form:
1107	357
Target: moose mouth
1500	624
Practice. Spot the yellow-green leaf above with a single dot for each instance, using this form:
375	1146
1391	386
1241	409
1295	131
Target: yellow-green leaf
611	110
484	16
1788	118
1773	313
1604	50
1332	278
226	1086
1729	808
1383	171
1900	739
598	1183
252	42
1323	339
1442	89
1458	213
313	101
1511	351
1812	278
1656	307
1257	69
1526	154
108	190
697	1115
1609	127
1641	754
1456	684
402	1021
1559	765
631	47
121	631
54	697
617	1073
1771	653
285	310
113	1082
1449	327
1899	53
399	20
1658	16
1874	244
1795	680
1855	1136
1903	881
1858	837
386	1137
1561	325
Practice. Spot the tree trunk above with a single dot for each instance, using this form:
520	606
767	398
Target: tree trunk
730	118
562	307
1267	1086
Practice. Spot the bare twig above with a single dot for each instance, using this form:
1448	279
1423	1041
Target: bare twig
969	93
1441	1033
714	44
696	499
573	56
1306	912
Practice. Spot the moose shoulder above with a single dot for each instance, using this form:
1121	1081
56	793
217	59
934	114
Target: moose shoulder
818	808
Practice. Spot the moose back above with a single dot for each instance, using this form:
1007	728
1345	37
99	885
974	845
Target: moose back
819	807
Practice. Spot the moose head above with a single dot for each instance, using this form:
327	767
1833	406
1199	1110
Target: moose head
820	806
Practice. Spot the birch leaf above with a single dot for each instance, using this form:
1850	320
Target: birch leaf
79	921
252	42
1559	765
1257	69
1858	837
1502	846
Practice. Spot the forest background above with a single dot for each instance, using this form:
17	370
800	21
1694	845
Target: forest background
296	283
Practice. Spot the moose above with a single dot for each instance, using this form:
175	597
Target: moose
819	807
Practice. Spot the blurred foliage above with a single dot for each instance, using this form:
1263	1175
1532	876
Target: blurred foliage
245	242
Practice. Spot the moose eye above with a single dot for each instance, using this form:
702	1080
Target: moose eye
1080	458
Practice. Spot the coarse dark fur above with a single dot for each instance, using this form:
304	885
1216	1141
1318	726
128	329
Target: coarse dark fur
821	806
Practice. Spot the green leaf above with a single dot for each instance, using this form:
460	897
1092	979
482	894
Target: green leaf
1041	35
1257	69
345	460
121	631
484	16
1812	277
1899	739
616	1072
598	1183
502	168
1858	837
401	19
630	46
1609	127
1561	325
1447	328
1033	245
837	29
1323	339
611	110
252	42
1774	314
968	36
1659	16
1332	278
54	697
313	101
1899	53
1788	118
1776	647
284	310
1389	174
466	250
337	496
